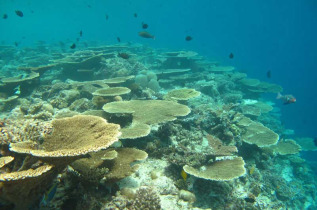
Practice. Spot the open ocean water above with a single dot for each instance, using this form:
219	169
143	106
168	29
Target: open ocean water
273	164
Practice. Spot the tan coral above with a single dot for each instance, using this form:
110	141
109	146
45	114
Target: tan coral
286	147
148	111
39	69
249	82
182	94
20	79
99	83
307	144
256	133
118	80
112	91
5	160
72	136
22	188
222	68
222	170
122	166
134	131
92	168
218	149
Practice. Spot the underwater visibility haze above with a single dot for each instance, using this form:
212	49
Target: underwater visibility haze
204	104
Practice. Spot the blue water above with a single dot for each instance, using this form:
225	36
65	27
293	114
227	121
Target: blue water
279	36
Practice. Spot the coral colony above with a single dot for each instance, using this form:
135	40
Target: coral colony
93	129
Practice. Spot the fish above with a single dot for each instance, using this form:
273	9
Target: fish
188	38
16	44
5	16
73	46
135	15
268	74
19	13
117	144
107	17
118	39
231	55
17	90
315	141
144	25
124	55
49	195
80	33
184	175
287	99
147	35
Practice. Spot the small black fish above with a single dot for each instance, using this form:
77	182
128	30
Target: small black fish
135	15
124	55
144	25
16	44
5	16
188	38
73	46
268	74
231	55
107	17
19	13
118	39
80	33
315	141
89	6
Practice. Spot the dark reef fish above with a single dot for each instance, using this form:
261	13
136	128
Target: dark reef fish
188	38
287	99
19	13
147	35
73	46
80	33
5	16
135	15
124	55
107	17
144	25
231	55
268	74
315	141
48	196
118	39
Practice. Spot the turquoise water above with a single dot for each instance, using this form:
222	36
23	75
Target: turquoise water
270	36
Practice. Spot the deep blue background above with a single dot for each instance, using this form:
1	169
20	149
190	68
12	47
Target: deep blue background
279	36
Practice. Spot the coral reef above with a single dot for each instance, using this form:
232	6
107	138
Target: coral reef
62	113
